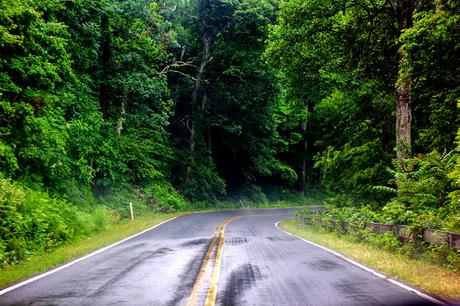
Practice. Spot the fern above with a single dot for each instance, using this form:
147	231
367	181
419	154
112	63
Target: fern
385	189
421	197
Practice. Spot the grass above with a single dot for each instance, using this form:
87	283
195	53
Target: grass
424	275
40	263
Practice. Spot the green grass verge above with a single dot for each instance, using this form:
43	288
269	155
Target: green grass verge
419	273
113	233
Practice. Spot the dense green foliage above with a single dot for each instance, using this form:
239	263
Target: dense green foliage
32	222
343	65
165	103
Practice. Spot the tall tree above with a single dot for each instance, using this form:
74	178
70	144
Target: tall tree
404	10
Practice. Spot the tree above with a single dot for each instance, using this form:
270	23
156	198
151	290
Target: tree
404	10
432	60
223	80
337	61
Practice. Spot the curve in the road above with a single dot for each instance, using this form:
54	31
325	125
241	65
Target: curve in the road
222	258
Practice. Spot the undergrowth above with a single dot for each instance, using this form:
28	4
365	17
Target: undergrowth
34	222
355	229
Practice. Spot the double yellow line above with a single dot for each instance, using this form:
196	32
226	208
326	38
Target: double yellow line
217	241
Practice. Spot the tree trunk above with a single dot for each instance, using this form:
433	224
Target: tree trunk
204	103
121	119
192	152
198	92
104	61
303	126
304	157
210	140
403	120
404	11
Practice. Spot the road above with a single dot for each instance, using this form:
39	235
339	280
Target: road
222	258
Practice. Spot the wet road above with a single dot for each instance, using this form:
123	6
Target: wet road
224	258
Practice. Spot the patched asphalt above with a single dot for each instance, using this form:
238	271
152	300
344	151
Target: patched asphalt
260	265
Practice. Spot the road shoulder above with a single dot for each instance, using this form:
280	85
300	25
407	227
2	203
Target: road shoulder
397	269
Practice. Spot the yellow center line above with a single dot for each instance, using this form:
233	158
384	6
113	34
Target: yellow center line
218	234
200	278
212	291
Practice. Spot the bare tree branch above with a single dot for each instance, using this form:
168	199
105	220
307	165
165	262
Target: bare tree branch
182	73
177	64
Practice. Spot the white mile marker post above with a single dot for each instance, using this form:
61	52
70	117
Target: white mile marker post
131	210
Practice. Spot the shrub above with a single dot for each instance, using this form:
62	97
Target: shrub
422	193
443	255
254	194
314	195
453	221
32	222
163	197
351	168
386	241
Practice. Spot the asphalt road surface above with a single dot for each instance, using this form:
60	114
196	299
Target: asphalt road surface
223	258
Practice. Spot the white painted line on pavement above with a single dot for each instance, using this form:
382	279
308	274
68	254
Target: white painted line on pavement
30	280
376	273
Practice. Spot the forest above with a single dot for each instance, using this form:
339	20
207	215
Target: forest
185	104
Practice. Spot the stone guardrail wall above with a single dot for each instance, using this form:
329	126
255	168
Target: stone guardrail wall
430	236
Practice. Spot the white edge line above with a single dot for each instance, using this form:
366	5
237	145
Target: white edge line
380	275
30	280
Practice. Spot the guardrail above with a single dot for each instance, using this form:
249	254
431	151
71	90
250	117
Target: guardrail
430	236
